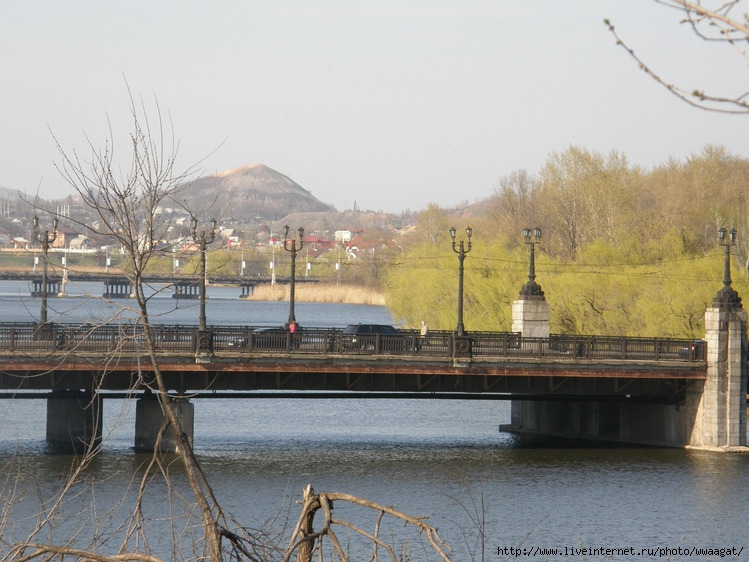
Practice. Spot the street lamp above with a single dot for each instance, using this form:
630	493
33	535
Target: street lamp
291	246
461	250
531	288
202	238
45	239
727	298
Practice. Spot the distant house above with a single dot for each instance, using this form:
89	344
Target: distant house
64	235
80	243
316	245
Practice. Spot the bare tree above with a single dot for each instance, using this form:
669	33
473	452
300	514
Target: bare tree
127	204
715	21
512	205
432	223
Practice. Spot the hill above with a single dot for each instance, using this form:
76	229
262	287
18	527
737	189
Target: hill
253	193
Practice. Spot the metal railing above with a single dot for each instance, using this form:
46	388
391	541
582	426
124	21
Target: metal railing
247	340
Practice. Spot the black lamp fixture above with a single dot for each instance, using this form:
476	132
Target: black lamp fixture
202	238
461	248
532	289
44	238
727	298
292	246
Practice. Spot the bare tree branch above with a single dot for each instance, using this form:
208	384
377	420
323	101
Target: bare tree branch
716	24
303	537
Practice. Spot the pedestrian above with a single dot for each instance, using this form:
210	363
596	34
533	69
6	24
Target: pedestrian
423	334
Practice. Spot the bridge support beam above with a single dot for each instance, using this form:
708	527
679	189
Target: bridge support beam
150	419
74	420
720	417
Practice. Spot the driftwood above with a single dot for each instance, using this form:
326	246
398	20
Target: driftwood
305	540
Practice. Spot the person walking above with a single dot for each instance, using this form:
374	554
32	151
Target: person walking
423	334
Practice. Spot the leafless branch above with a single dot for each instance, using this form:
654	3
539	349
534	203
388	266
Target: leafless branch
713	25
303	537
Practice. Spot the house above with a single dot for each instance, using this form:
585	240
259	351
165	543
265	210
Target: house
80	243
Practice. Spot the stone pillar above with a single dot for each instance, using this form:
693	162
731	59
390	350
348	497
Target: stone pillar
74	420
150	418
531	312
720	419
530	317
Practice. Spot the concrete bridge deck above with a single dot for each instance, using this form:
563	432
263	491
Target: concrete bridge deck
242	359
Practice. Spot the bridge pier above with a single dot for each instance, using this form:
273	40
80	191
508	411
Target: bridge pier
626	421
720	414
74	420
186	290
117	288
711	414
150	418
54	287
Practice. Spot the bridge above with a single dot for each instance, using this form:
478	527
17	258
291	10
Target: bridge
656	391
76	365
120	286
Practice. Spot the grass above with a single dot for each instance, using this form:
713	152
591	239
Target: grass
319	292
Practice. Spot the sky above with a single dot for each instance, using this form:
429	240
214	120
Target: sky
383	105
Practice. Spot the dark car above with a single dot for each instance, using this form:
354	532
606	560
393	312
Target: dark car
263	338
364	337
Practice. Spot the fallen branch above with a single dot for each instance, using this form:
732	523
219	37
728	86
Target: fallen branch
304	538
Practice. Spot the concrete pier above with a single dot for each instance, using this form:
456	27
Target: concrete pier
711	416
150	419
713	412
632	422
117	288
720	416
74	420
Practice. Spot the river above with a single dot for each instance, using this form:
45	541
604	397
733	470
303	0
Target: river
438	458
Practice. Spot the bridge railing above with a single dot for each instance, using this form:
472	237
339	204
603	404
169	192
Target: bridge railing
247	340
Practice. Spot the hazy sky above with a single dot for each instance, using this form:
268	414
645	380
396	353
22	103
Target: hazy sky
389	105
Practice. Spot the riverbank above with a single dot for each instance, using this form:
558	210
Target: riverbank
318	292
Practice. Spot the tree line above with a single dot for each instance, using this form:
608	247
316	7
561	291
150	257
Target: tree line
624	250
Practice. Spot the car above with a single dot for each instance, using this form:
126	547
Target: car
364	336
262	338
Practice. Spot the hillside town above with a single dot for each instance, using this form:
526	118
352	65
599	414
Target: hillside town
256	196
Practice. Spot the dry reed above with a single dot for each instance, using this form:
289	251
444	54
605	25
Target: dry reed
318	292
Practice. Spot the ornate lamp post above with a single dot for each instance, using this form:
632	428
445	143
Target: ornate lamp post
727	298
461	249
531	288
292	247
202	238
45	239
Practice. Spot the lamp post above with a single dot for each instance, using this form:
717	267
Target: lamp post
290	245
727	298
202	238
461	249
45	239
531	288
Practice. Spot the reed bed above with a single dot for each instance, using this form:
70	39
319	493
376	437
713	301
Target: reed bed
318	292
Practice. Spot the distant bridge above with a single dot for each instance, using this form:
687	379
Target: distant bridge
120	286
